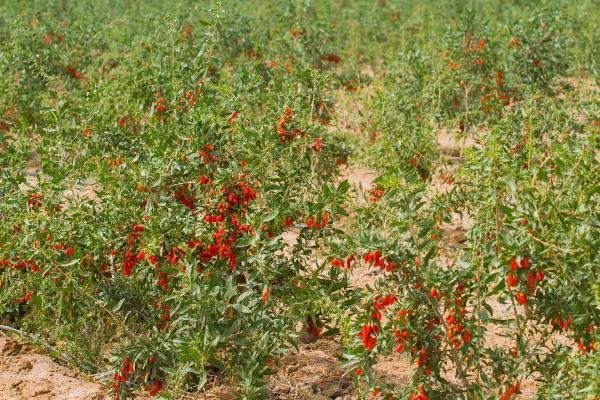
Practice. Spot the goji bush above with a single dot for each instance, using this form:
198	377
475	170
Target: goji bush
145	193
516	302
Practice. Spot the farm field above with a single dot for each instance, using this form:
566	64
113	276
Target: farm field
340	199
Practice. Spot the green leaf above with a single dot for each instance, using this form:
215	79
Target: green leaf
343	187
202	378
69	263
118	306
242	308
270	216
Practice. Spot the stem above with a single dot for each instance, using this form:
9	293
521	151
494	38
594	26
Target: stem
455	358
497	246
460	372
478	297
465	122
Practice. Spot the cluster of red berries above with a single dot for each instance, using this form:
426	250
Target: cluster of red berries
380	304
375	195
233	205
314	328
455	319
185	199
512	278
510	391
205	155
401	338
420	395
563	325
74	73
21	265
286	135
34	201
132	258
313	223
339	263
165	310
119	379
25	298
367	335
374	258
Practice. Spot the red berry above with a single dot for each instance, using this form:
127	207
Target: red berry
539	276
434	293
511	280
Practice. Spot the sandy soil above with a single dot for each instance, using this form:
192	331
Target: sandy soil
26	374
312	373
